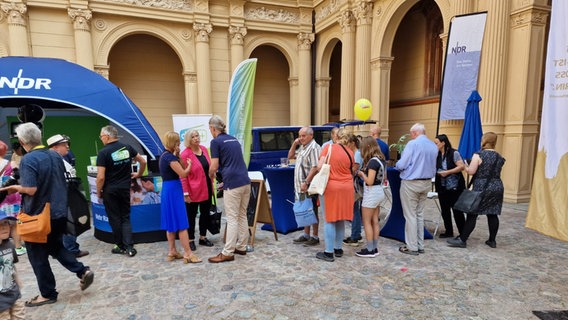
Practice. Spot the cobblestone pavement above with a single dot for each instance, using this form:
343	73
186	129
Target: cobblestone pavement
280	280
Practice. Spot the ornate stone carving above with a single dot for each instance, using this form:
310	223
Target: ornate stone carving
80	18
323	82
237	11
185	34
327	9
532	16
100	24
184	5
237	34
201	5
293	81
15	12
280	15
202	31
103	71
346	21
305	40
190	77
382	63
364	12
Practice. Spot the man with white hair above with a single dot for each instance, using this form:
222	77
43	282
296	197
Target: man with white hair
417	166
42	178
227	156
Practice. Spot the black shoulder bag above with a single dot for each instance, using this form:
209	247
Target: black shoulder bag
469	201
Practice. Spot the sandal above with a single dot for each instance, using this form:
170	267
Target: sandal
405	250
172	257
191	259
34	303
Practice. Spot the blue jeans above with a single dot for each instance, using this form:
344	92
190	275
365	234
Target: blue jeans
356	223
38	255
334	233
70	243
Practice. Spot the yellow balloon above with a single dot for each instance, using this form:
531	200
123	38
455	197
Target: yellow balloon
363	109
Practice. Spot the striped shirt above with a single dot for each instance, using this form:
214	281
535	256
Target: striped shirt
306	158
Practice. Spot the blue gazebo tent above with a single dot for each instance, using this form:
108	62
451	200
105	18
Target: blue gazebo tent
56	81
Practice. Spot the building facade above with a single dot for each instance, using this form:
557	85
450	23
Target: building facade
315	59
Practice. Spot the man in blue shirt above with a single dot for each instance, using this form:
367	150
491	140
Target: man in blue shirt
42	178
375	132
227	156
417	167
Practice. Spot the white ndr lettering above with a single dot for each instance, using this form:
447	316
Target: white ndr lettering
20	82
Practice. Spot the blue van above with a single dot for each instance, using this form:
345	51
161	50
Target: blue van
269	144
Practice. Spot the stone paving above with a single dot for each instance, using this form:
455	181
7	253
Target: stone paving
280	280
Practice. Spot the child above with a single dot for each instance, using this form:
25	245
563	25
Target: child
11	307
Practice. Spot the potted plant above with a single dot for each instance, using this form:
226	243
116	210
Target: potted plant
400	144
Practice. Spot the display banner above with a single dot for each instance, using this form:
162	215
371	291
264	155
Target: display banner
239	105
461	67
189	122
547	209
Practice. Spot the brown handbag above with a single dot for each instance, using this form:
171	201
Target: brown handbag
35	228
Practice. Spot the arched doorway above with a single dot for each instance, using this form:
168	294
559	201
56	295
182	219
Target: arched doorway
150	73
335	83
271	102
416	70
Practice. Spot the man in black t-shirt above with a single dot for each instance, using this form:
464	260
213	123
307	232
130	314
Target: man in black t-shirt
113	186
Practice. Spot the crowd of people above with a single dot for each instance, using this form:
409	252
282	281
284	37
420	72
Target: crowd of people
354	193
357	160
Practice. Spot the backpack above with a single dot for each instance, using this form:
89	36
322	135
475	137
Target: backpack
78	213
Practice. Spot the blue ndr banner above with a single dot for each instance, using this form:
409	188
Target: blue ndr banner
463	56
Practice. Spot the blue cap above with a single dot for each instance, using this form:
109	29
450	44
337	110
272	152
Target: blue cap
3	216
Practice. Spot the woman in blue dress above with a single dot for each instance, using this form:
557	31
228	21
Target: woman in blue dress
173	214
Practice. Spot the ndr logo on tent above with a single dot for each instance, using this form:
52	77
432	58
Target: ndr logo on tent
19	82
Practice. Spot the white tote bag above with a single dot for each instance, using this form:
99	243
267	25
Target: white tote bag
319	182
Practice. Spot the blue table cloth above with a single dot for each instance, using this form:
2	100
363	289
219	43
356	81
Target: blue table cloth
281	180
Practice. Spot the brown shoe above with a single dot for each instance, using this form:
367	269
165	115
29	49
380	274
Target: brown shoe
221	258
82	253
241	252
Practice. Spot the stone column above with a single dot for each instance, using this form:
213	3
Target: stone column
17	28
380	81
461	7
83	44
237	35
523	100
202	31
363	11
493	67
304	79
347	99
294	118
190	85
322	100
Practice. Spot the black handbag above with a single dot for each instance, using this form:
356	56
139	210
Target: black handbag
469	201
214	223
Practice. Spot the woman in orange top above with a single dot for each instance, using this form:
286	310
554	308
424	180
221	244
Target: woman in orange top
339	194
